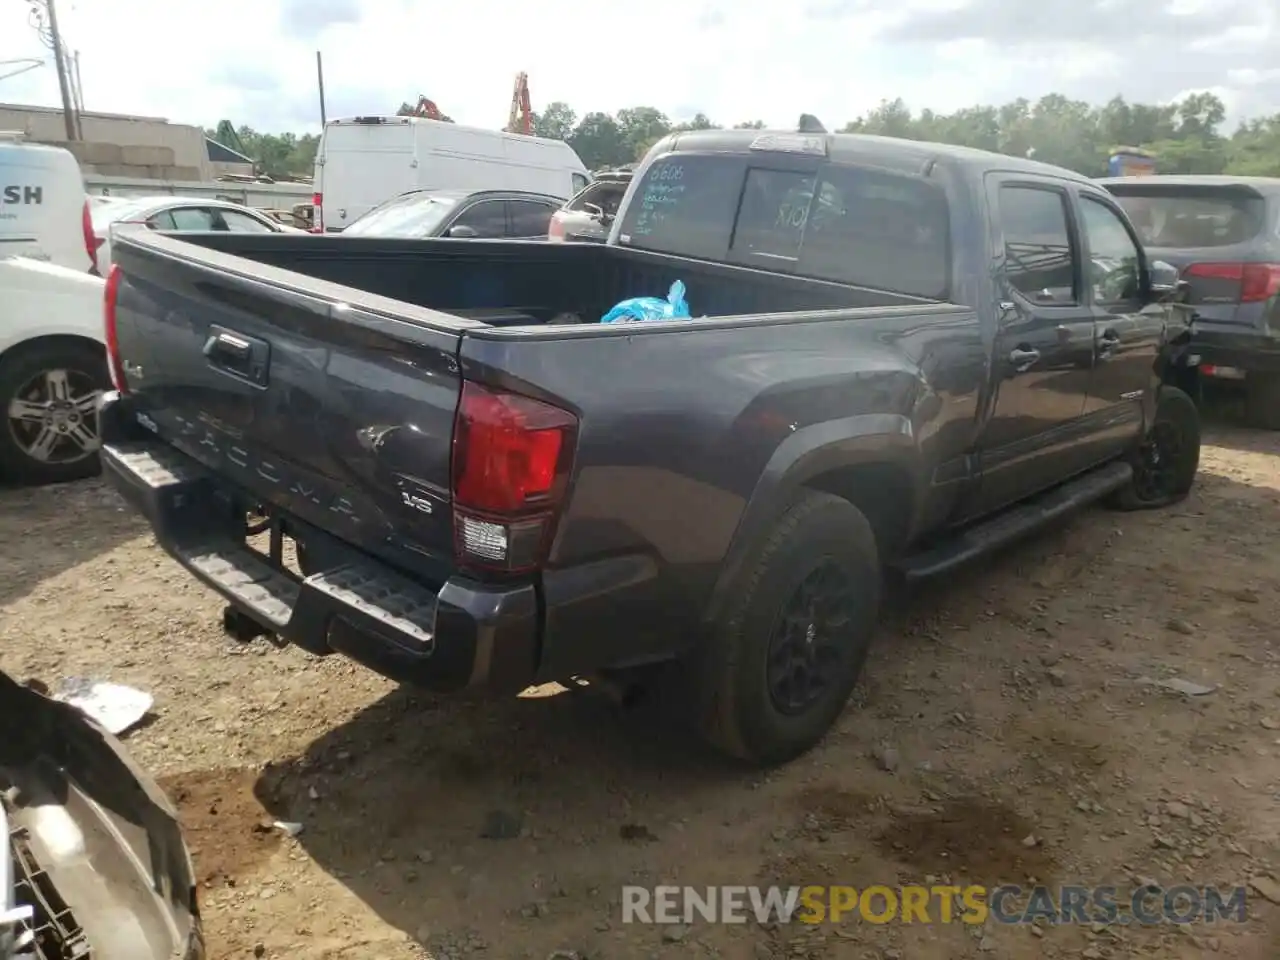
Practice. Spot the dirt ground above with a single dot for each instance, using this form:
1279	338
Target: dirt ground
1007	728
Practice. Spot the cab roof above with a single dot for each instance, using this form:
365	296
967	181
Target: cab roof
905	156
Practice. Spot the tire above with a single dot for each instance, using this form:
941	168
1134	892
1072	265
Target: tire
822	545
30	383
1165	463
1262	401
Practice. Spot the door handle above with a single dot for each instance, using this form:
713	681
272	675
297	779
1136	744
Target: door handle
1022	360
1107	344
237	354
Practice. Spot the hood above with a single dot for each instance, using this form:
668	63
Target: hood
99	868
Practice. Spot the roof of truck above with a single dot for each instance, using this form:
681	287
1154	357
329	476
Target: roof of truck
908	156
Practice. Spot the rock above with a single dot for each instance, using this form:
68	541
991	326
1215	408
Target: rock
500	825
426	856
1182	627
1030	840
422	934
676	933
886	758
1057	676
1270	723
532	911
259	949
1091	953
1175	809
1266	887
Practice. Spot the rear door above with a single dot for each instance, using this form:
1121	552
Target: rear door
1223	239
1044	344
365	161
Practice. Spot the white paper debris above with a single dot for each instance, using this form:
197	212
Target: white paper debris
115	707
288	827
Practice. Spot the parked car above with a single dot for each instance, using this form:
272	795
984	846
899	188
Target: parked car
894	361
52	361
460	214
95	863
588	216
1224	234
181	214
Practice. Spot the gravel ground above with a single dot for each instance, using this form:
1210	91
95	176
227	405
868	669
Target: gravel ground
1005	729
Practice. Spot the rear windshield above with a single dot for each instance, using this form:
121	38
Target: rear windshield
843	223
412	215
1192	217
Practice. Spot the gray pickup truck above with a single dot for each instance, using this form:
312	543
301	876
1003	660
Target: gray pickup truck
901	356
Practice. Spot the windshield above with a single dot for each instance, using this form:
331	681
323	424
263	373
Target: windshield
105	214
1185	218
412	215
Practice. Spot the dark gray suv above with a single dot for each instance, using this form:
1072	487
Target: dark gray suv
1223	233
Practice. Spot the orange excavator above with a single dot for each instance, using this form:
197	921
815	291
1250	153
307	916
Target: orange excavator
520	119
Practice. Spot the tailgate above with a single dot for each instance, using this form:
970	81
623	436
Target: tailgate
321	400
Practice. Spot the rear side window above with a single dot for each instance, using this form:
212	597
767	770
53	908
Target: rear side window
842	223
1038	260
1189	217
686	206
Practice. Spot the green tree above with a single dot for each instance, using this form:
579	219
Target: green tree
1186	136
279	156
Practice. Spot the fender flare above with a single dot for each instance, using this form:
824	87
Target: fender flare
866	439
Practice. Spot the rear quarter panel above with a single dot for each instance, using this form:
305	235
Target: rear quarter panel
683	424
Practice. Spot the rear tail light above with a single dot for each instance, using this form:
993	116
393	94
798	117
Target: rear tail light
556	231
91	241
1258	281
110	330
511	461
317	217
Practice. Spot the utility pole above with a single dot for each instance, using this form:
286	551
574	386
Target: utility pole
42	11
320	81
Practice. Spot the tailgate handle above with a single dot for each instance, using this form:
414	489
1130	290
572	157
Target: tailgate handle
242	356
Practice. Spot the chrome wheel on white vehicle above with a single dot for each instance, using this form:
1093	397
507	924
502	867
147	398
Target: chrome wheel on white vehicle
49	399
54	417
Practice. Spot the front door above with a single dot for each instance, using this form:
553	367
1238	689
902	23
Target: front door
1127	331
1044	345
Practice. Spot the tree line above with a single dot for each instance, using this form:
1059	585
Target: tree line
1184	137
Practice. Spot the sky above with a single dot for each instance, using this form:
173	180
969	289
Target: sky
253	61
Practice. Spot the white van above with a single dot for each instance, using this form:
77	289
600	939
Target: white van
363	161
44	211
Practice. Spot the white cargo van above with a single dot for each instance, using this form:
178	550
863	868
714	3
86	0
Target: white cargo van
363	161
44	211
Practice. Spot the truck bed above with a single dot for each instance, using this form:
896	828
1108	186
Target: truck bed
506	283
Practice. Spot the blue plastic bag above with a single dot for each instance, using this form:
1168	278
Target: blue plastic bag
651	308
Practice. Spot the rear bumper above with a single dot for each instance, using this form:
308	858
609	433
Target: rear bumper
1247	350
459	635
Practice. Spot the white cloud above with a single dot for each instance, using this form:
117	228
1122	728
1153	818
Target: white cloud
253	61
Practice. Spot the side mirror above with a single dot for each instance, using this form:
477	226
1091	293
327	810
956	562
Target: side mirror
461	231
1165	282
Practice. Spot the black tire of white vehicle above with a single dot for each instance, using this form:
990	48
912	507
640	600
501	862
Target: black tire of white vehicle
804	607
1165	463
1262	401
48	405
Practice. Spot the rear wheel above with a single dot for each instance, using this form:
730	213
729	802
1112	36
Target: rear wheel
784	658
49	400
1165	463
1262	401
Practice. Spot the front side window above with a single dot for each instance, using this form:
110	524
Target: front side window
1114	261
1038	259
